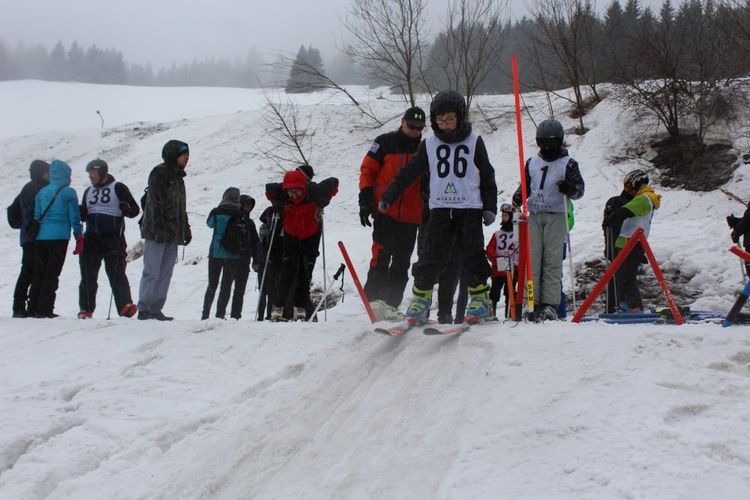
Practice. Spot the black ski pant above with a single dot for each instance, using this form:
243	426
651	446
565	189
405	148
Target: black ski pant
110	248
627	277
240	285
392	246
25	277
270	290
49	259
453	237
296	275
226	269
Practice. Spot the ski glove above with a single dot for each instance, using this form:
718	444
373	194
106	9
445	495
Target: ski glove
278	206
516	199
735	236
732	220
366	204
125	207
488	217
566	187
79	245
616	218
188	236
324	202
383	205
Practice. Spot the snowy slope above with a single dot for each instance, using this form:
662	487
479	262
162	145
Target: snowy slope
214	409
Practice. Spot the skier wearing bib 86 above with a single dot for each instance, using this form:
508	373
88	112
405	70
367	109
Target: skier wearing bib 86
463	195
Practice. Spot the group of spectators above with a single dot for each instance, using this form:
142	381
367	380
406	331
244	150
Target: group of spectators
437	191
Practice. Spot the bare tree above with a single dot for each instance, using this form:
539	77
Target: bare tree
567	41
288	137
679	75
471	45
385	37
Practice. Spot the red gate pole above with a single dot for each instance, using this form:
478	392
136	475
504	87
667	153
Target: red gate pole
361	290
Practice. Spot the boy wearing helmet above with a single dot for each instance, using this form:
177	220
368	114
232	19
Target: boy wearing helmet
462	196
635	214
104	206
552	178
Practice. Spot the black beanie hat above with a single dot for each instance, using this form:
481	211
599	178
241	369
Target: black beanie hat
307	170
100	166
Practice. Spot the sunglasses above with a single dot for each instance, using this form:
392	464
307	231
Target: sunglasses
415	127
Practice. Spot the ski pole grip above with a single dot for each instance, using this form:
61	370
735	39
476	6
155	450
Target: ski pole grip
342	267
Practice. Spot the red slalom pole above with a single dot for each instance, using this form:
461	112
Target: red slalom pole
524	244
353	273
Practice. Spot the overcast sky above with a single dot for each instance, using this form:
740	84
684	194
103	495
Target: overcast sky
163	31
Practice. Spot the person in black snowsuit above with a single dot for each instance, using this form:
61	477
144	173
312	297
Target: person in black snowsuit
249	257
610	235
104	206
39	173
741	229
271	237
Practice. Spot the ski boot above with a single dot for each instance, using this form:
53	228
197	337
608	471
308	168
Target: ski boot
480	306
416	314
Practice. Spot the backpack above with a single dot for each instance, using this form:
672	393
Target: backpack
235	238
15	215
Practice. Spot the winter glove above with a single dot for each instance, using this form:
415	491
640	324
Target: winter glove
616	218
383	205
256	267
79	245
366	202
278	206
188	236
566	187
125	207
488	217
516	199
735	236
732	221
324	202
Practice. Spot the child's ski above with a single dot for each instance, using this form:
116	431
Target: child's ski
455	329
396	330
400	328
446	330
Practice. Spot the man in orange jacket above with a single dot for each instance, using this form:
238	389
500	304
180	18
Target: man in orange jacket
394	232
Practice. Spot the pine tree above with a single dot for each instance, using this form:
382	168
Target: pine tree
304	74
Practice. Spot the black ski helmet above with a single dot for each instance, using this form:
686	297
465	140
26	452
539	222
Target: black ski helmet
637	179
549	138
100	166
447	101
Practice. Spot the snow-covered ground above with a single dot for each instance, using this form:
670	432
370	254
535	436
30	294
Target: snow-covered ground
122	408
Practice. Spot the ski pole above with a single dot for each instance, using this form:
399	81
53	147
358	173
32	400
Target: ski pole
323	243
274	222
323	300
570	254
